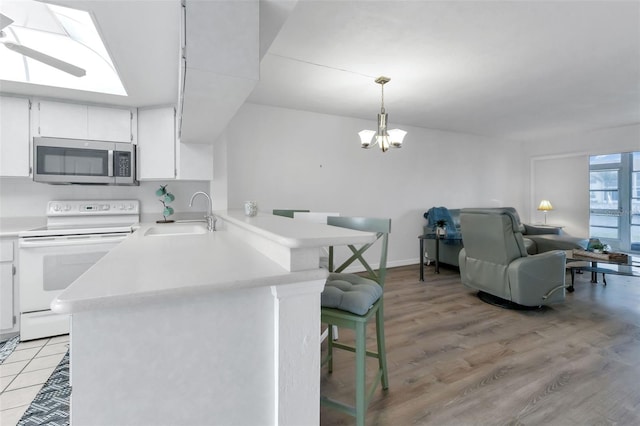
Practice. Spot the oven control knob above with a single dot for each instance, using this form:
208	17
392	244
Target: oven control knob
55	208
67	207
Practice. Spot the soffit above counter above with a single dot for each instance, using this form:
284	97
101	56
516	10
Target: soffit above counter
222	44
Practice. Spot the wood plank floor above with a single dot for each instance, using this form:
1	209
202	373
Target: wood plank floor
455	360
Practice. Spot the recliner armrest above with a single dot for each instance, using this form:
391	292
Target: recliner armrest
536	275
541	230
545	261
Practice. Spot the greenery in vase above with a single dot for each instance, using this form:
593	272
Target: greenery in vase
599	247
165	198
441	227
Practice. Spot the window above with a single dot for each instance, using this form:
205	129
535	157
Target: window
614	194
60	33
635	203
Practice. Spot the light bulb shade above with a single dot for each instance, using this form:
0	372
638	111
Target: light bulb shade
383	141
366	137
396	136
545	205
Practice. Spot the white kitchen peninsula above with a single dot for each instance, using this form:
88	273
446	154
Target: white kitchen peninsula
202	328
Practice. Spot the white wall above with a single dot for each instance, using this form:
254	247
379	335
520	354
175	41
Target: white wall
294	159
23	197
563	180
559	171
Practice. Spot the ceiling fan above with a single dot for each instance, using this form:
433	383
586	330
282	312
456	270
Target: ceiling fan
5	21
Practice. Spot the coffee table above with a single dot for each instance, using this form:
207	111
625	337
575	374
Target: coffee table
594	265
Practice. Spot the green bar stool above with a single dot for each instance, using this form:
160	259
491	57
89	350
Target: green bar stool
350	301
287	213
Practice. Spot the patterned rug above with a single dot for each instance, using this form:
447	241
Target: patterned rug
51	405
7	347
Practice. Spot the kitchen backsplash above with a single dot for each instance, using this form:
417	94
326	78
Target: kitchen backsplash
21	197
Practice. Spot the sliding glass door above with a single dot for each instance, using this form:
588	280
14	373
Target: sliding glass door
635	202
614	192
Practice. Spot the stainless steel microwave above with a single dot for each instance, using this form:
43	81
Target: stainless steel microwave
60	161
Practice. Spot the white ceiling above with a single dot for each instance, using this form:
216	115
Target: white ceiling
510	69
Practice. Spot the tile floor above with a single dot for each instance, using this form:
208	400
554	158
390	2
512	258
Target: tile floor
24	372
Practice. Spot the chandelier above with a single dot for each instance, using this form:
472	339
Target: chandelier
383	137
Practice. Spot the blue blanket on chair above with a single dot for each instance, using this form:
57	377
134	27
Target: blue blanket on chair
434	214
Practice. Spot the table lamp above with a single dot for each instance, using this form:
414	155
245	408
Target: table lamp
545	206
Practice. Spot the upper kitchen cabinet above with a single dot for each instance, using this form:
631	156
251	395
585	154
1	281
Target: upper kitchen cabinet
156	143
111	124
195	161
76	121
160	153
14	136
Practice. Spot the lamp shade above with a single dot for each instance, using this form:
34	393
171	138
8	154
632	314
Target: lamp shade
545	205
366	137
397	136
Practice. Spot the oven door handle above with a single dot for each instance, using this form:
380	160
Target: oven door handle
66	241
110	163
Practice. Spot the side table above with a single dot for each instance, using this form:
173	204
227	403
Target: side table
437	256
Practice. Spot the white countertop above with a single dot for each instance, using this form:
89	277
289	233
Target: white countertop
143	268
11	226
295	233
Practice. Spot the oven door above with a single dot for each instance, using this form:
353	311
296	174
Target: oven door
48	265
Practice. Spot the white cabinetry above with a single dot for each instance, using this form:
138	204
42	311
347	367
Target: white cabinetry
110	124
156	143
162	156
14	136
8	287
195	161
57	119
76	121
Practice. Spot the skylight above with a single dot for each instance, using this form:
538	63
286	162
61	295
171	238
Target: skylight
62	33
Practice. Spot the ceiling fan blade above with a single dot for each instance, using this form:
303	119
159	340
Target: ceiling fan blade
5	21
46	59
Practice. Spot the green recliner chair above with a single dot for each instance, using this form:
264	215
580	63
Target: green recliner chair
494	261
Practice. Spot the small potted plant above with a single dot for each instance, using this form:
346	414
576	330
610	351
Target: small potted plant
165	198
441	228
598	247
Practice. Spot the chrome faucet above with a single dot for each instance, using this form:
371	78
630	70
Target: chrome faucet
211	219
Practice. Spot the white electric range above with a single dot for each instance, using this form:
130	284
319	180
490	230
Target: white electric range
77	235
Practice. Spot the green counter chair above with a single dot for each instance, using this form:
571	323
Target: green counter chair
350	301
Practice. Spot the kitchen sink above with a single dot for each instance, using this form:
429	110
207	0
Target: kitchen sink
177	229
